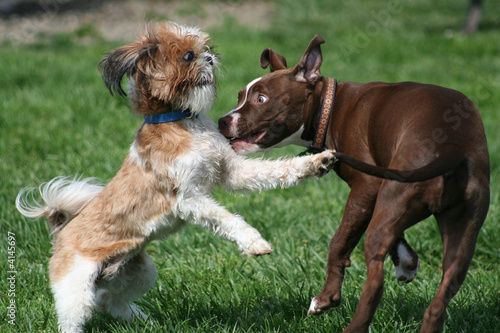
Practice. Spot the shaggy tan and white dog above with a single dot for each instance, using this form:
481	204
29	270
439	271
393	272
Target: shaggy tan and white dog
166	181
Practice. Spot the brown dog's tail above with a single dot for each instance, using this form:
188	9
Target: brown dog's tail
63	199
441	165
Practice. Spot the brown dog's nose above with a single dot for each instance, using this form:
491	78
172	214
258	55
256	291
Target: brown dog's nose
224	123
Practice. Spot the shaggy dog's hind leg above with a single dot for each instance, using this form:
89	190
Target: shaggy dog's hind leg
131	282
73	287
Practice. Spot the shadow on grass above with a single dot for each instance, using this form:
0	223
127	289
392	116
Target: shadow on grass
401	310
251	314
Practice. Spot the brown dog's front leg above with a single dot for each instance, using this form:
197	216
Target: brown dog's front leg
357	215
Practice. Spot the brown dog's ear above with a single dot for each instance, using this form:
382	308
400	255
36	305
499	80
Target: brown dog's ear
125	60
308	68
269	57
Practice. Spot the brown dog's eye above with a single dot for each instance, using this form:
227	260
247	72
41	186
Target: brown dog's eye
189	56
262	99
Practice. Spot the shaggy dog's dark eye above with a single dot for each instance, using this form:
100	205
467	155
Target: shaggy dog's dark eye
189	56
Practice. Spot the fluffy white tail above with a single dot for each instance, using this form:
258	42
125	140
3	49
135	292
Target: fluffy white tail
63	198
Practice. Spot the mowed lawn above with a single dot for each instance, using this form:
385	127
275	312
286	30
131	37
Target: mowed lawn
57	118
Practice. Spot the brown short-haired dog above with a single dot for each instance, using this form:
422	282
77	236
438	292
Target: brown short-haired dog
434	134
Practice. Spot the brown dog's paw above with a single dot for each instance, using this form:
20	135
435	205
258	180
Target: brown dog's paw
321	304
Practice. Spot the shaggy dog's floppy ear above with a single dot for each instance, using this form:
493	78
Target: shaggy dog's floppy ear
127	60
269	57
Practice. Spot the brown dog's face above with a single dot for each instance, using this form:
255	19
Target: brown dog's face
260	120
169	67
270	110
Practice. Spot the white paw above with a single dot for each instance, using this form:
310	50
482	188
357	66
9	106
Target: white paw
313	310
328	159
405	274
251	242
322	163
407	263
138	313
259	247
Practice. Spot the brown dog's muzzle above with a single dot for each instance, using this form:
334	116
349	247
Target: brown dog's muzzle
226	126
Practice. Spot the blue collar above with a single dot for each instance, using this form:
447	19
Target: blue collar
167	117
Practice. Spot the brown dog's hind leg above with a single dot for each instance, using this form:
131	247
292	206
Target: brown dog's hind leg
394	212
459	228
357	214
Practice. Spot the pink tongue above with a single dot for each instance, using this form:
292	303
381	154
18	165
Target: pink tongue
247	143
240	145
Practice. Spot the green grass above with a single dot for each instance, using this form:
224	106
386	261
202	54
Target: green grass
56	118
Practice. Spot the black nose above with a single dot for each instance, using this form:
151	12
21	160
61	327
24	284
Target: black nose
224	123
209	60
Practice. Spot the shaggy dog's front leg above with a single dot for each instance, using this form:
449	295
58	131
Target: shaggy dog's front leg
255	175
204	211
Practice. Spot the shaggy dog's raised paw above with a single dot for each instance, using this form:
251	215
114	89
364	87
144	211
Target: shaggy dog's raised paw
324	162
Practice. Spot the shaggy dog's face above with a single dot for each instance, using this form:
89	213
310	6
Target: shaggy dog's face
169	67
